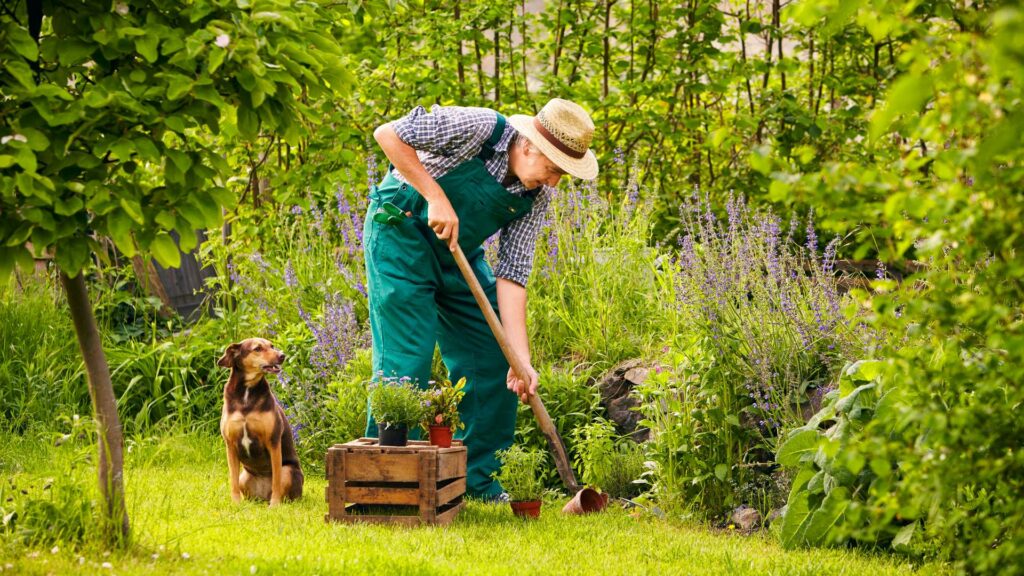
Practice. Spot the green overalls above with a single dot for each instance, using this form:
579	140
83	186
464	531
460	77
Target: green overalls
418	297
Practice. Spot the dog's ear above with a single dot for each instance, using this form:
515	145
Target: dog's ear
230	355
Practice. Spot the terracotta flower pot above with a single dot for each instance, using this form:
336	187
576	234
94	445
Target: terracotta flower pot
586	501
392	435
441	436
526	508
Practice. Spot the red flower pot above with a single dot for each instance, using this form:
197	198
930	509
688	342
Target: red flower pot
526	508
441	436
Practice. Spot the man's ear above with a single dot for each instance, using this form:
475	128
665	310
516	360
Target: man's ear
230	355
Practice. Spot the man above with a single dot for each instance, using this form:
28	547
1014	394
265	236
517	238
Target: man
458	176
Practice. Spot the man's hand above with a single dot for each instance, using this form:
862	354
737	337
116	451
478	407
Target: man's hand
522	389
443	221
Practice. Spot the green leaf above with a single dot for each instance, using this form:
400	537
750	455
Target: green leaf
906	96
146	149
21	72
147	47
22	42
165	251
216	59
795	520
181	160
823	521
166	219
178	86
20	235
119	227
133	209
36	140
69	206
801	443
248	123
849	401
721	470
71	52
903	537
865	370
72	255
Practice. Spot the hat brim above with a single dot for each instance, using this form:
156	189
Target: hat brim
584	168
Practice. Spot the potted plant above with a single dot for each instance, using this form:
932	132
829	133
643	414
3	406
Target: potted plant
518	476
397	404
442	410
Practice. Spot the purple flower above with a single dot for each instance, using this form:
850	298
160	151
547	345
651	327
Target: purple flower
289	275
812	237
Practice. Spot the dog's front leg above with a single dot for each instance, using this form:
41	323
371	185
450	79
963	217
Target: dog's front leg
234	469
276	491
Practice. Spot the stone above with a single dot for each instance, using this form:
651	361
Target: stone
746	519
617	397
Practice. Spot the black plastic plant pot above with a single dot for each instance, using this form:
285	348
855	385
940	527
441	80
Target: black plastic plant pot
392	434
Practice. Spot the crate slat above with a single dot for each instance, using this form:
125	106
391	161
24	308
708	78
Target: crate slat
452	464
451	491
383	495
380	467
445	518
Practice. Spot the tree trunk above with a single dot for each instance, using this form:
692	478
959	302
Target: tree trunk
111	455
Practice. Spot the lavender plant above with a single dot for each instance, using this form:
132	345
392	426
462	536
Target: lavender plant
769	309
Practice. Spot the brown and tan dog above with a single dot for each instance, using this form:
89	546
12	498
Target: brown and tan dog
262	462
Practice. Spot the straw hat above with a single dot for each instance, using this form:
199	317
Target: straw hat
562	131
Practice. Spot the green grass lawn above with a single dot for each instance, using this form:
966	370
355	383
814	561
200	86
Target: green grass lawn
183	522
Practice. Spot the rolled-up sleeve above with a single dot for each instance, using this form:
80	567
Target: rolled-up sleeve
518	240
452	131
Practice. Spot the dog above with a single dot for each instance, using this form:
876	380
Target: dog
262	462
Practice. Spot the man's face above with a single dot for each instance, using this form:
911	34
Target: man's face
535	169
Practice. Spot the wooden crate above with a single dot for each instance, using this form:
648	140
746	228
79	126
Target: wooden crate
411	485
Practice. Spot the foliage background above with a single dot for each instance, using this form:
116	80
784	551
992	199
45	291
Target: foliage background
896	122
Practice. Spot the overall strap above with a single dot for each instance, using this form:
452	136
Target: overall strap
487	150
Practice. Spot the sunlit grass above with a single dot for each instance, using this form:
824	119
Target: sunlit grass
184	522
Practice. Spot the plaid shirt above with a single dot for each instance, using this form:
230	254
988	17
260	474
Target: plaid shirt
450	135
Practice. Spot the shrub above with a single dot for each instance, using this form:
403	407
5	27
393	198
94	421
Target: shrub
397	401
518	474
607	460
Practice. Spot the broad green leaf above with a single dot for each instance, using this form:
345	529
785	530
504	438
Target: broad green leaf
22	41
848	402
166	219
216	59
20	235
133	209
906	96
147	47
119	227
902	539
721	470
68	206
865	370
795	520
181	160
823	521
73	51
165	250
21	72
248	123
36	139
72	255
178	86
801	443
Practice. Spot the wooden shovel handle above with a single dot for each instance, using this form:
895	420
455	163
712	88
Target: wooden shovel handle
522	370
